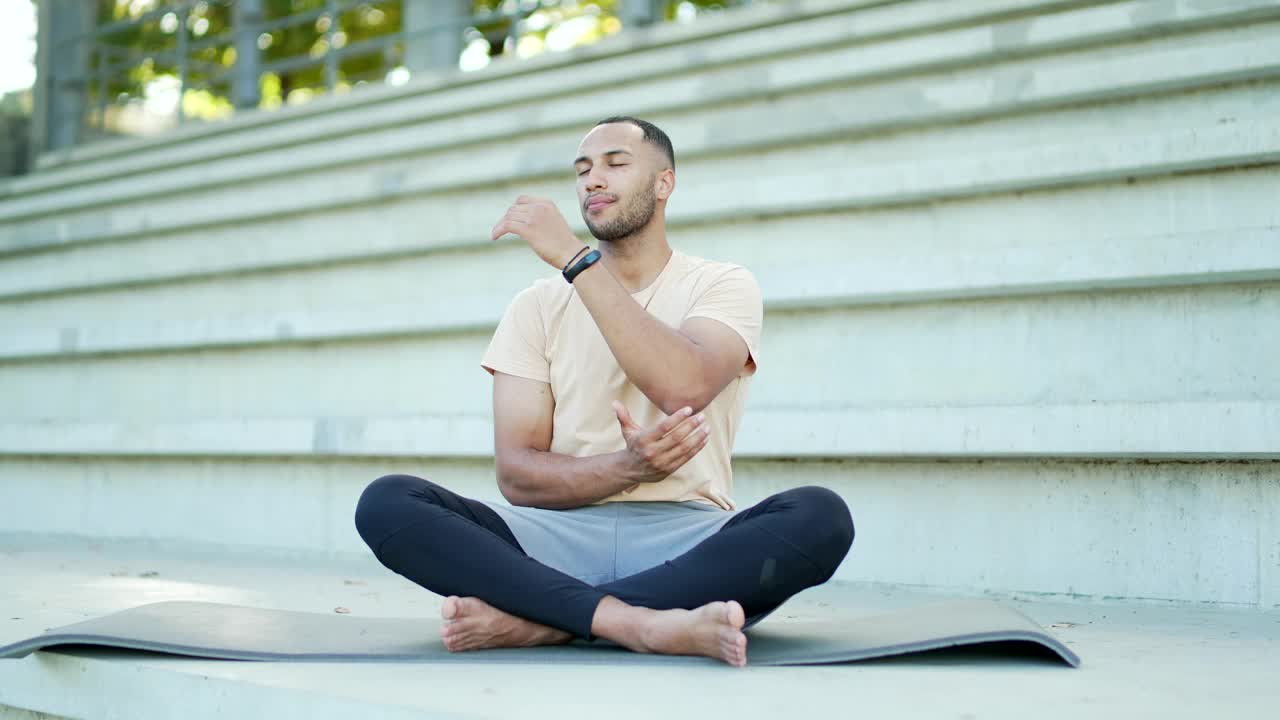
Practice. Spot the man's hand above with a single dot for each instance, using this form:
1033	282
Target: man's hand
538	222
652	455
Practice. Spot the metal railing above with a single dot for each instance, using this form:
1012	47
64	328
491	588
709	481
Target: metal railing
91	73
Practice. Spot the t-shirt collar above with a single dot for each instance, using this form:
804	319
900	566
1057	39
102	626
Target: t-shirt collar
666	269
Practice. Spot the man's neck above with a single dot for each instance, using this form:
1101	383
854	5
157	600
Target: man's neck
637	260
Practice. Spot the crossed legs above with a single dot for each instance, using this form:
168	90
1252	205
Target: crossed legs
693	604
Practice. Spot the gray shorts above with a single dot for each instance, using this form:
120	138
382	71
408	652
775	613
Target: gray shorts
598	544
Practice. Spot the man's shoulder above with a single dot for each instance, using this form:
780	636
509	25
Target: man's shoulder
551	288
545	293
702	271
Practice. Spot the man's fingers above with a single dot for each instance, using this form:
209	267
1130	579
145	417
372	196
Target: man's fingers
624	417
679	434
671	421
516	216
507	225
681	431
659	438
683	451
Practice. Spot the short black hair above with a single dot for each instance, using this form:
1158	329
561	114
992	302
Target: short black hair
652	134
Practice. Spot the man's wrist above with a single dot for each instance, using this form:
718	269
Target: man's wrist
615	465
619	469
573	256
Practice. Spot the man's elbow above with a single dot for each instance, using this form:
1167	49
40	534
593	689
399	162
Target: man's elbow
695	387
521	490
510	485
513	494
521	496
697	400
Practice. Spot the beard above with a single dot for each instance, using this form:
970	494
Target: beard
632	217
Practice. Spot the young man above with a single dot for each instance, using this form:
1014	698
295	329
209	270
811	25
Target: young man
616	399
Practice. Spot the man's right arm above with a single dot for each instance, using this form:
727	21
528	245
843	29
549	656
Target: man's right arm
530	474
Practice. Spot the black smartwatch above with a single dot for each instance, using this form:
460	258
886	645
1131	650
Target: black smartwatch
586	262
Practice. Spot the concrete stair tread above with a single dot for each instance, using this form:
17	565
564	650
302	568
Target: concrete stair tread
1234	255
1102	430
768	30
1019	260
715	195
877	62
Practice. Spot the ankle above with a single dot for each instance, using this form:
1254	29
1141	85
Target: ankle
627	625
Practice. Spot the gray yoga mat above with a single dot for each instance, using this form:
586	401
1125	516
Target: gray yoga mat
233	632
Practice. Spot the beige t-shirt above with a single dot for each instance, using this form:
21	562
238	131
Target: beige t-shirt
548	335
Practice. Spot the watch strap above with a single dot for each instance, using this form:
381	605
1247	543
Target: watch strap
575	257
587	261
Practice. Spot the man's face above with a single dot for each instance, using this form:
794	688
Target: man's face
616	176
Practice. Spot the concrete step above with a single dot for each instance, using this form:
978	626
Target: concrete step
1139	659
285	181
1199	532
1019	260
1158	430
852	259
375	211
764	32
1085	358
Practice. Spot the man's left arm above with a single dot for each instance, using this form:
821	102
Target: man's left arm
672	367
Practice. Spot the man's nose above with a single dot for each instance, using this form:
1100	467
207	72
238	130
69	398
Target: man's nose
595	180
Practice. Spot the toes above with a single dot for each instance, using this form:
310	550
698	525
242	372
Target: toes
735	615
455	607
733	647
451	607
736	658
449	636
459	643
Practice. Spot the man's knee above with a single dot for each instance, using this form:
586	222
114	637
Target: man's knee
378	503
826	525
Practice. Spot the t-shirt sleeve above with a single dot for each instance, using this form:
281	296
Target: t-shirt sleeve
734	299
519	344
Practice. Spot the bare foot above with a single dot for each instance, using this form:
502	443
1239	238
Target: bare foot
472	624
713	630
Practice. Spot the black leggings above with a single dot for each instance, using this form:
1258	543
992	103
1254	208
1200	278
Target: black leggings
453	545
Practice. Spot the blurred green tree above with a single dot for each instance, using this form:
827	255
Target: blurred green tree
142	55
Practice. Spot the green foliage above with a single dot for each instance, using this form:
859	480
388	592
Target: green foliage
144	51
211	52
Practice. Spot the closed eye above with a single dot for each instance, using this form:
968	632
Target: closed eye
586	170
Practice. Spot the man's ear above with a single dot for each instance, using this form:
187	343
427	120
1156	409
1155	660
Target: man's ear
666	183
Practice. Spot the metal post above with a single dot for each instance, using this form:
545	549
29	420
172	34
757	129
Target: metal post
330	57
433	33
184	15
639	13
246	19
104	59
62	66
40	116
